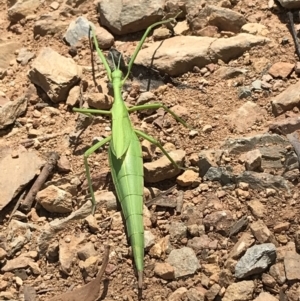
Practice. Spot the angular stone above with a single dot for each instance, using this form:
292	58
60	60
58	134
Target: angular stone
184	261
240	291
257	208
162	168
292	266
54	199
253	160
281	69
256	260
278	273
207	159
78	29
263	180
55	74
11	110
286	126
261	231
220	220
187	178
28	164
264	296
164	271
286	100
245	242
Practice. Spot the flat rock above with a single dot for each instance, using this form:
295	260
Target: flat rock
163	168
255	28
240	291
246	116
20	262
191	51
286	126
244	144
281	69
11	110
68	247
225	72
256	260
21	169
184	261
286	100
25	56
55	74
292	265
7	52
263	180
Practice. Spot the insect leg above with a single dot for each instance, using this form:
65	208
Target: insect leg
91	111
158	144
157	106
90	151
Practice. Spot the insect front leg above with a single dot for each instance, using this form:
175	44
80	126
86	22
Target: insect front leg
90	151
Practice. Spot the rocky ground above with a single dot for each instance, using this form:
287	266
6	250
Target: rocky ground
225	229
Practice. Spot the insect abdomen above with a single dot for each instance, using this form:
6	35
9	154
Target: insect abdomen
128	176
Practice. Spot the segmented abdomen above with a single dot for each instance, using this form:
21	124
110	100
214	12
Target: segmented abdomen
128	177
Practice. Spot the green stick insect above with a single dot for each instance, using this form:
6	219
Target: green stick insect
125	154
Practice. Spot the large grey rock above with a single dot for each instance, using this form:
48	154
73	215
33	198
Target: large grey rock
240	145
263	180
129	16
77	30
256	260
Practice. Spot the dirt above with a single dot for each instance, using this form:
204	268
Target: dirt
206	106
